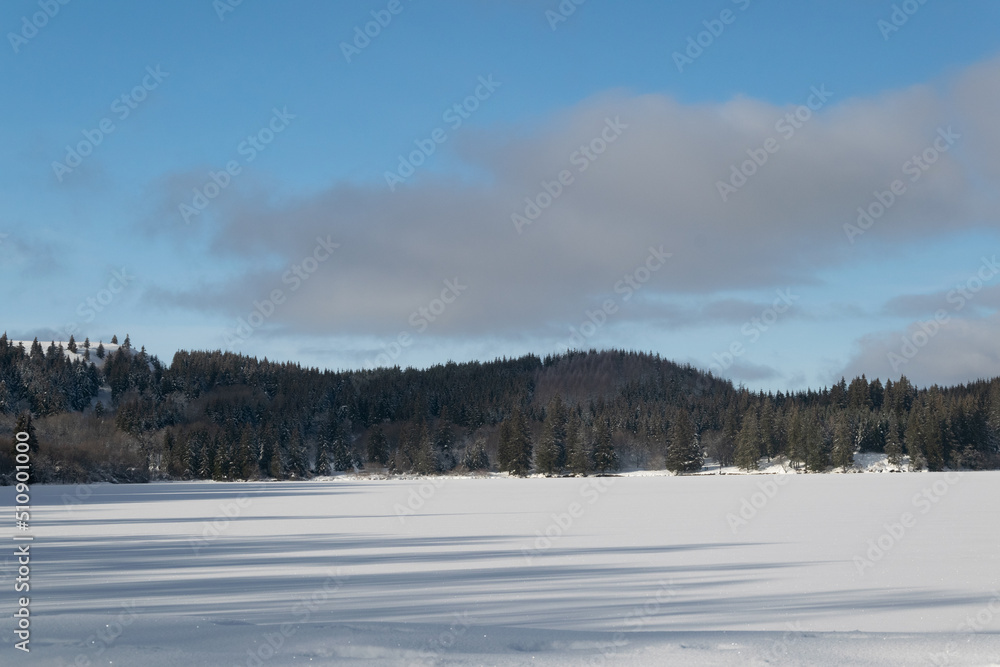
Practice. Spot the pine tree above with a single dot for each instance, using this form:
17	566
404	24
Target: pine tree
340	450
86	343
296	455
814	443
605	457
71	346
683	450
127	344
550	455
578	458
427	463
378	447
476	457
768	430
100	350
914	439
114	339
277	467
843	443
748	443
444	442
246	462
514	453
893	443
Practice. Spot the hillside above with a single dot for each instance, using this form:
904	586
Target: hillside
217	415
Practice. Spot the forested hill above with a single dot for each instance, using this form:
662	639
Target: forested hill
116	413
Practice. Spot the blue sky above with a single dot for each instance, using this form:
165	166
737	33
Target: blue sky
434	267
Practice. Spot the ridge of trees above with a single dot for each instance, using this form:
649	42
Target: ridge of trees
225	416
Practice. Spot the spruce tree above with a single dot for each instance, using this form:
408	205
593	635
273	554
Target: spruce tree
427	460
114	339
843	443
514	452
476	457
444	442
768	430
914	439
340	449
246	462
748	443
71	346
814	443
893	443
605	457
578	458
545	454
683	450
378	447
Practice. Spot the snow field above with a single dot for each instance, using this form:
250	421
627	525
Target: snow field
704	570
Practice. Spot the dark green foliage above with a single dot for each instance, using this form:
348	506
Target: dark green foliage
683	449
605	457
748	443
550	455
893	442
476	457
843	443
226	416
578	458
514	452
815	446
378	447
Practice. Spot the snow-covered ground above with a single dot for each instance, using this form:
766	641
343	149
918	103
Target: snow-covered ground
639	570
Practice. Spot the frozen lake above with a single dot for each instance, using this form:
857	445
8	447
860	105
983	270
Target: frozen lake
864	569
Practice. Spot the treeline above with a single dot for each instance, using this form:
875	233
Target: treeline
223	416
